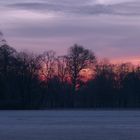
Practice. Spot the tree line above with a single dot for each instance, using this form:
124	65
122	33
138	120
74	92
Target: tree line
75	80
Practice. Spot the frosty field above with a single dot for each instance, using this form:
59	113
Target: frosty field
69	125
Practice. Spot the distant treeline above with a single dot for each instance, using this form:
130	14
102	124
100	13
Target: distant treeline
76	80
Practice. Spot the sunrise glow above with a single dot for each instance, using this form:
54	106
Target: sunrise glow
69	69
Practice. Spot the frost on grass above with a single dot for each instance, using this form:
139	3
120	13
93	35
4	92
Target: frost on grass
69	125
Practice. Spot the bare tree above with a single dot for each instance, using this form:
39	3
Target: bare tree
7	57
62	69
47	64
78	58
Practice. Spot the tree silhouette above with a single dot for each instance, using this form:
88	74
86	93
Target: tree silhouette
47	62
78	58
29	81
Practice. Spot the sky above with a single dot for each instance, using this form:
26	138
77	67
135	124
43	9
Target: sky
110	28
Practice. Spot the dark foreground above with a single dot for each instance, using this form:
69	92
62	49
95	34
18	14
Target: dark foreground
70	125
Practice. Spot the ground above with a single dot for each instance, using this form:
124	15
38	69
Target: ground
70	125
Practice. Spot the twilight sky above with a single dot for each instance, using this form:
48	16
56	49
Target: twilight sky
111	28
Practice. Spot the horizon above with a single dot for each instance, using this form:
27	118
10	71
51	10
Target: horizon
70	69
110	29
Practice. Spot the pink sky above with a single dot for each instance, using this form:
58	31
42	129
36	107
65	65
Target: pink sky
109	28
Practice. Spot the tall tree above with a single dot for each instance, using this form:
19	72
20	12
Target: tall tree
62	69
78	58
47	64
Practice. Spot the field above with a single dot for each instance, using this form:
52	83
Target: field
70	125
